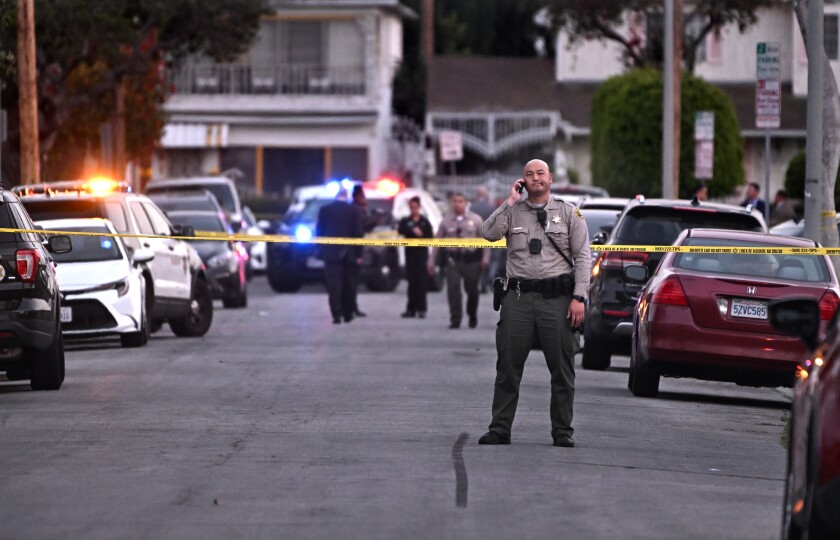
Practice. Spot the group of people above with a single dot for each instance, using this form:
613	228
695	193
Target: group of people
781	210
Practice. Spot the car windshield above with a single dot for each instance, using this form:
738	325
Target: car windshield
200	222
660	226
785	266
90	248
222	192
43	210
599	220
168	204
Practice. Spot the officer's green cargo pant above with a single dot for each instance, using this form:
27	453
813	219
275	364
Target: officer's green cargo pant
469	273
521	317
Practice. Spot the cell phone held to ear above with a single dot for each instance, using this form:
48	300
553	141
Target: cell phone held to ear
520	187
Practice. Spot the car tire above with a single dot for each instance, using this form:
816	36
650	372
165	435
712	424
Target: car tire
140	338
238	300
643	379
283	282
387	275
47	371
199	317
596	351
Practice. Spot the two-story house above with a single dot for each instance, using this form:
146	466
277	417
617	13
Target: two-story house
508	107
309	101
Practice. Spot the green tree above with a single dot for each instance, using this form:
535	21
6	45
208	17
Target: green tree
795	179
603	19
626	139
86	48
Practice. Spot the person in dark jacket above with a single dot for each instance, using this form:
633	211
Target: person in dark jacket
340	219
416	226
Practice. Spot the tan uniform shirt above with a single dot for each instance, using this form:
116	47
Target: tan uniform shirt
465	226
518	225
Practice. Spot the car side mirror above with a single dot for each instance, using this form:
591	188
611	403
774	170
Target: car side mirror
59	244
636	273
600	239
142	256
797	316
183	230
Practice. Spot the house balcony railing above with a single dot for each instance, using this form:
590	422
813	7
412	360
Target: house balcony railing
250	79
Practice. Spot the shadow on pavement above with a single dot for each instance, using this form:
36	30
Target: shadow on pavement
724	400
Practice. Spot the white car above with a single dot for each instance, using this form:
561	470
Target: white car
102	288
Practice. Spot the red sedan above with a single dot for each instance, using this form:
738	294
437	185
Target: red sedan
812	489
705	315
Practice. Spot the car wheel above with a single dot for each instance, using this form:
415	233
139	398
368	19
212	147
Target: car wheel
48	366
644	377
141	337
283	282
387	278
596	351
238	300
198	319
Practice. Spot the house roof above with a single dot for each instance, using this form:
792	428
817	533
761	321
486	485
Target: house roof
510	84
393	6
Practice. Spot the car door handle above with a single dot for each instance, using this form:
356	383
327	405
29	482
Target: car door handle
171	248
146	244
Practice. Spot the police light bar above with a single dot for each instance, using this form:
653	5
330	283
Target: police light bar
99	185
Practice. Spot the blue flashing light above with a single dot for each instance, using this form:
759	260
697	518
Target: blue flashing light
348	184
332	188
106	243
303	233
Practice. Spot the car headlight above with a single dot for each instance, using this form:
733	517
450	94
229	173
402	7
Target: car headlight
221	259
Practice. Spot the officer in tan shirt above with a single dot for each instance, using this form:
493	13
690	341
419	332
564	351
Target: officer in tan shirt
461	264
548	265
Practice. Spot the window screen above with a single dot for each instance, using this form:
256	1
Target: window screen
830	30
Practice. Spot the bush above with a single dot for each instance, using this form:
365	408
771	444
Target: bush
626	141
795	179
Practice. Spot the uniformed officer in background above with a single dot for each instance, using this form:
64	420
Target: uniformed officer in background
461	264
548	265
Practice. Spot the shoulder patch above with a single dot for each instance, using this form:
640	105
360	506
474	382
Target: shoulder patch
577	213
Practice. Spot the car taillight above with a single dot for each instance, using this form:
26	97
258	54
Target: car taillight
670	293
828	305
620	259
27	264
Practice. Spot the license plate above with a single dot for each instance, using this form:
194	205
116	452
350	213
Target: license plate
749	309
66	314
314	264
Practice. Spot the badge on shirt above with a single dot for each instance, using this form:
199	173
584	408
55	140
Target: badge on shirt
578	214
557	220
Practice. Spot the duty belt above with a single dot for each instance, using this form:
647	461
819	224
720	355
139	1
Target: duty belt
525	285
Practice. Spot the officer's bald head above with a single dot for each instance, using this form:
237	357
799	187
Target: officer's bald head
537	164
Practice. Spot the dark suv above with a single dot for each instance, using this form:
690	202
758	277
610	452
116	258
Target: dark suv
30	315
655	222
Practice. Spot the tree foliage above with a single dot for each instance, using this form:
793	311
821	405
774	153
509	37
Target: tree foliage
626	140
795	179
604	19
86	48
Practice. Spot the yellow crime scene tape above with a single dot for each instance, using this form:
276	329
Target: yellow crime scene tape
389	240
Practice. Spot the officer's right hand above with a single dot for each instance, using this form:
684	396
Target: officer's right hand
514	192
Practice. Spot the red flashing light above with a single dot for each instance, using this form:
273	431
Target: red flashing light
388	186
670	293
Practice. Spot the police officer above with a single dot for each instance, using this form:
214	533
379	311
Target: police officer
416	225
461	263
548	267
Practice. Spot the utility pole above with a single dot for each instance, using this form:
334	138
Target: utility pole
428	40
119	133
672	102
814	140
30	152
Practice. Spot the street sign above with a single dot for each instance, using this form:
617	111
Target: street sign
704	160
768	104
768	61
451	146
704	126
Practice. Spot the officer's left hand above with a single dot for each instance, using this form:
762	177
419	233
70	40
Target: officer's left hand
575	314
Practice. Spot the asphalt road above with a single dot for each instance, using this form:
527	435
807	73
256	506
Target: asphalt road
278	424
